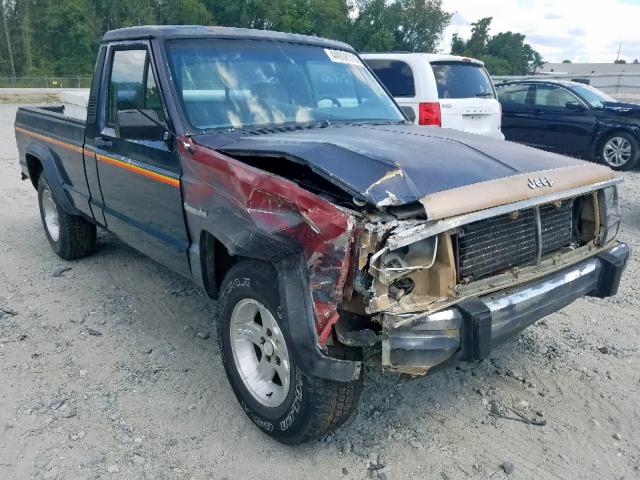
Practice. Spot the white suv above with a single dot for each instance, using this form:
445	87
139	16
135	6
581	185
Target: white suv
442	90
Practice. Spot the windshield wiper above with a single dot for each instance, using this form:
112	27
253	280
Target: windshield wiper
293	126
373	122
484	94
284	127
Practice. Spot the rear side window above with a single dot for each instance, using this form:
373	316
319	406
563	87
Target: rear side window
515	94
462	80
397	76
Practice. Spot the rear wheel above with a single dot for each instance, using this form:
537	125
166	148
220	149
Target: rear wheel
70	236
269	381
620	151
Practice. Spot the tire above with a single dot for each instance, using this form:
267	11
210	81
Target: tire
70	236
308	407
619	151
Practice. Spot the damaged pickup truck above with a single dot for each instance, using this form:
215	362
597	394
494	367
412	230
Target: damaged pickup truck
277	172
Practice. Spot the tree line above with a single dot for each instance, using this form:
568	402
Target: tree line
60	37
506	53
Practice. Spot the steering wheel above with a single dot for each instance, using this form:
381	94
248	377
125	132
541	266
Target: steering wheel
334	100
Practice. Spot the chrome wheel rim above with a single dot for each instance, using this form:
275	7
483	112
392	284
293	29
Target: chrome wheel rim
617	151
50	211
260	353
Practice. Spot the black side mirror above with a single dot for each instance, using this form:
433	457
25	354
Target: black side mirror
132	124
409	113
575	106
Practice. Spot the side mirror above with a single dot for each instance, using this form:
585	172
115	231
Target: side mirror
575	106
409	113
131	124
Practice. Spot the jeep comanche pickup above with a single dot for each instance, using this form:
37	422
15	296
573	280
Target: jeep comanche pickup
277	173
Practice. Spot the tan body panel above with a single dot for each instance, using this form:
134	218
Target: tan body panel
501	191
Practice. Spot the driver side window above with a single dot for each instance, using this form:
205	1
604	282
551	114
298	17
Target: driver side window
132	86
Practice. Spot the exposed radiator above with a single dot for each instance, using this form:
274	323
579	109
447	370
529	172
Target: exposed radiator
487	247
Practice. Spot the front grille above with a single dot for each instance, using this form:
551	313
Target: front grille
556	226
487	247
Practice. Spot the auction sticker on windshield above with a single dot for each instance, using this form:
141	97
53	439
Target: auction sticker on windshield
340	56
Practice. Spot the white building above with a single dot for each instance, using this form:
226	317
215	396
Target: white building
591	68
621	80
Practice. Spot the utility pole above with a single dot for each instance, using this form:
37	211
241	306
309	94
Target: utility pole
6	32
618	56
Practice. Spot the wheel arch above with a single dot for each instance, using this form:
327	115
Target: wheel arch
602	136
40	159
34	167
218	256
215	262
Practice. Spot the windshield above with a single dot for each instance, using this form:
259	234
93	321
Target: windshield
462	80
228	84
592	96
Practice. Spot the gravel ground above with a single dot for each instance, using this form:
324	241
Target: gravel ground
111	370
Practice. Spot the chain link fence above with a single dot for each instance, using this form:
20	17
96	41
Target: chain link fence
619	83
45	82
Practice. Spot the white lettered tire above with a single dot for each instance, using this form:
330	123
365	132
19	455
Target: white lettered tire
273	389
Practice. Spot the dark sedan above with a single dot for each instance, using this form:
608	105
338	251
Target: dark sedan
571	118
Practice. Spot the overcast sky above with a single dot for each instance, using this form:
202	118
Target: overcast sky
580	30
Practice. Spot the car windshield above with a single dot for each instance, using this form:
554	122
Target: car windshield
592	96
235	84
462	80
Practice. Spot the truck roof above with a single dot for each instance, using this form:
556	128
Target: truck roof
201	31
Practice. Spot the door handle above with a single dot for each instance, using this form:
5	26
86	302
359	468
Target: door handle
102	142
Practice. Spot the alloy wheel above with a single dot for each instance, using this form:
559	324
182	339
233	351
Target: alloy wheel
260	352
617	151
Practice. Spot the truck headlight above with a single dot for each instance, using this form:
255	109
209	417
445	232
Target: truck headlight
417	256
609	214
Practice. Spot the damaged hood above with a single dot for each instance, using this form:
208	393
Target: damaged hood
392	165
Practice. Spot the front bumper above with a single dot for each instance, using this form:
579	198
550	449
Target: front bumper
474	326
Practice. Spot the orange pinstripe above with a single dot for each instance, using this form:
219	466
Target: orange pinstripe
68	146
174	182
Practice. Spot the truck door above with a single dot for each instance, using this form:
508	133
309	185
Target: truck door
139	179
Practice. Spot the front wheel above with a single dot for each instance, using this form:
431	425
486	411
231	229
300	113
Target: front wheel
273	388
620	151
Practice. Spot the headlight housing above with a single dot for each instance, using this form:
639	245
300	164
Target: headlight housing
609	214
417	256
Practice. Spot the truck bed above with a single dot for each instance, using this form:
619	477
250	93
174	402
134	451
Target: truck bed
47	133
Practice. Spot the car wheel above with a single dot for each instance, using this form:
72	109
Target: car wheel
269	381
620	151
70	236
